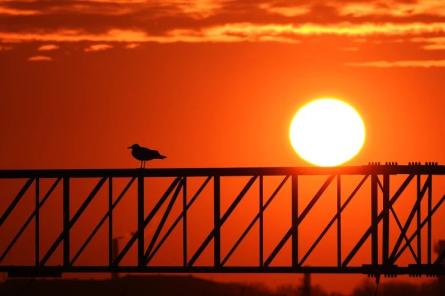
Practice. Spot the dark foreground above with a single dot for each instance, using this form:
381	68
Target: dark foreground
189	285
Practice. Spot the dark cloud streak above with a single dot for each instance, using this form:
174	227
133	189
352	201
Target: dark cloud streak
220	20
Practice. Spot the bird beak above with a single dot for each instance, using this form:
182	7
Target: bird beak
163	156
129	147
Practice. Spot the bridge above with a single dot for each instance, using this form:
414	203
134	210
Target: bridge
397	210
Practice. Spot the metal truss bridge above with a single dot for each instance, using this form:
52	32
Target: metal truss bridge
396	212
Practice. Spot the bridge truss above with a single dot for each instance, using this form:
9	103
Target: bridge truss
394	240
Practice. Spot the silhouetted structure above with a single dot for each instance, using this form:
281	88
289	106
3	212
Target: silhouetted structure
384	256
193	286
130	286
144	154
440	249
306	285
115	252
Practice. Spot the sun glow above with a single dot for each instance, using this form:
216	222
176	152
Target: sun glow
327	132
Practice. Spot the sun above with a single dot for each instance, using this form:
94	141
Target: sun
327	132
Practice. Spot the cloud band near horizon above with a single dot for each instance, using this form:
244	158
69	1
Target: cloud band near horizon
215	20
420	23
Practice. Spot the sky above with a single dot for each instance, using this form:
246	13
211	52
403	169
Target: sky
209	76
99	68
214	83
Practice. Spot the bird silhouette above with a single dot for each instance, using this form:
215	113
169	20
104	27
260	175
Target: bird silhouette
144	154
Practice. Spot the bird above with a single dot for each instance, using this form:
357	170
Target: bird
144	154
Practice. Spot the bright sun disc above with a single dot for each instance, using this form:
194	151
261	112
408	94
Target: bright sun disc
327	132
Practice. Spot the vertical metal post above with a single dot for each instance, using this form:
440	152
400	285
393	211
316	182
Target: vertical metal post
184	220
261	221
66	221
216	220
110	221
115	248
37	223
339	221
385	234
430	226
140	221
294	208
374	209
419	221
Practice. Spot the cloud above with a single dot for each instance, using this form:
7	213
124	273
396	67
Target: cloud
394	8
400	64
285	10
48	47
132	45
366	29
431	43
196	8
5	47
113	35
168	21
118	1
350	48
233	32
290	33
98	47
12	11
40	58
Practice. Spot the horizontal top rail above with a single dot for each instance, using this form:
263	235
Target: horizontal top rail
234	171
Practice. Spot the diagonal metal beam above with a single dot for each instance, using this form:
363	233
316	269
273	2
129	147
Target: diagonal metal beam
102	221
222	220
331	222
179	218
184	223
379	217
37	222
147	220
339	228
299	220
217	221
246	231
440	258
385	220
430	224
163	220
399	224
409	220
379	183
418	220
16	200
73	220
416	232
238	199
261	222
110	222
29	219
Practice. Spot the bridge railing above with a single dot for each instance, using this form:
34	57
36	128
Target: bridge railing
397	209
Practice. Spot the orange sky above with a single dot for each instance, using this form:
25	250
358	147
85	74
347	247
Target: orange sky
214	82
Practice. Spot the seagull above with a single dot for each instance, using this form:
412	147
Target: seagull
144	154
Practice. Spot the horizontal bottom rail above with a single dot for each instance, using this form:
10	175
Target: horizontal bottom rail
57	271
